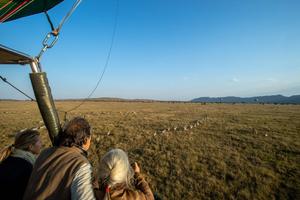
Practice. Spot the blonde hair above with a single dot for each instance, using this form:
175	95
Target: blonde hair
114	168
23	140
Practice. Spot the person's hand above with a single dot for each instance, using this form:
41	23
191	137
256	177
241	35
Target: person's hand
136	168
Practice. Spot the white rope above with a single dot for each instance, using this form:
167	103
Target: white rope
75	5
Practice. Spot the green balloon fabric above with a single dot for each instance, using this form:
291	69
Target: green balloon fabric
15	9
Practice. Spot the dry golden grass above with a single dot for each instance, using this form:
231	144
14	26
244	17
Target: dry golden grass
190	151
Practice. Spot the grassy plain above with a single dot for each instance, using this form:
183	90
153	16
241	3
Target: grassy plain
187	150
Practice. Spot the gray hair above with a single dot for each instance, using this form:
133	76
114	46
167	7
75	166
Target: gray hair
114	168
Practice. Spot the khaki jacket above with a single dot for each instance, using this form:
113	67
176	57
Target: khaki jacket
53	173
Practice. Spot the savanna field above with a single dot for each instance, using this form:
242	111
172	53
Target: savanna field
188	150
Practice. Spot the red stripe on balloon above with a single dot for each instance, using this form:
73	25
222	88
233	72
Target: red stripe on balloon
13	11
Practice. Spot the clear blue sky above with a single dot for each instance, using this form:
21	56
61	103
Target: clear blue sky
164	49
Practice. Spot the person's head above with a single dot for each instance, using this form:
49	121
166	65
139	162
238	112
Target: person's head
76	132
114	168
27	140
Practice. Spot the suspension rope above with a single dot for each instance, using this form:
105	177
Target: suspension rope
49	20
106	62
10	84
55	31
6	81
75	5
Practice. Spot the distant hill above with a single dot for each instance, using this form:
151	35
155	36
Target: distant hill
110	99
231	99
259	99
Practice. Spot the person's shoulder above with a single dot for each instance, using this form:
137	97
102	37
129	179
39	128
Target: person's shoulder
71	153
45	153
17	163
24	164
78	153
16	160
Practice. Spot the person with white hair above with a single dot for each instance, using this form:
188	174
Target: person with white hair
118	180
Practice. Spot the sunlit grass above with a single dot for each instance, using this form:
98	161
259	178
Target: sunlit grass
190	151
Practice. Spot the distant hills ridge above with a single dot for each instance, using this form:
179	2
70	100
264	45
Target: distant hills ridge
280	99
259	99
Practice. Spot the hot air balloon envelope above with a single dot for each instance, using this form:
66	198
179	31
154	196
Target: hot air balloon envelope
14	9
